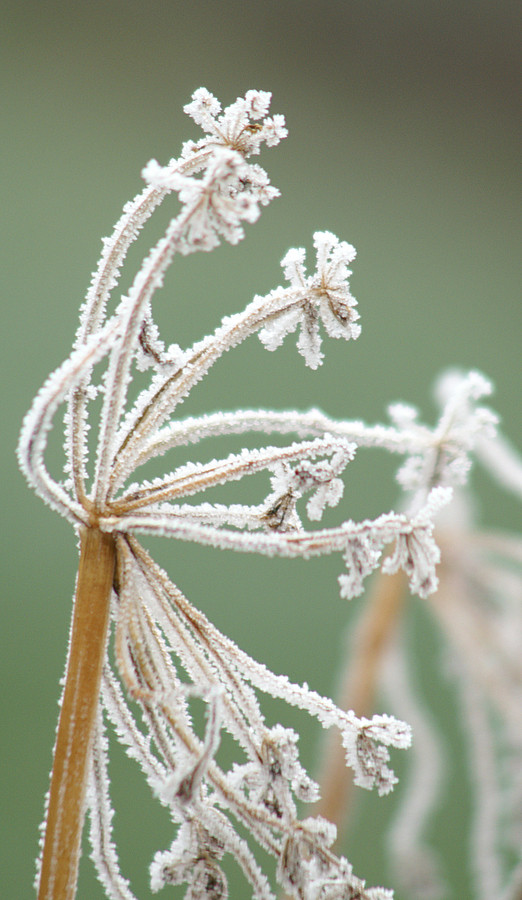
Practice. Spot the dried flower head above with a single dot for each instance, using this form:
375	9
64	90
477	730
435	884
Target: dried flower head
166	651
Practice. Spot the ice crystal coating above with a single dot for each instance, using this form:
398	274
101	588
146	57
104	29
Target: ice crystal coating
239	127
463	425
168	655
229	191
325	295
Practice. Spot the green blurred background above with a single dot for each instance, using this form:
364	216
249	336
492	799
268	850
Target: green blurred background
402	140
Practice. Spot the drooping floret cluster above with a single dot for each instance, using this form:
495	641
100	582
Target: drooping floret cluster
166	651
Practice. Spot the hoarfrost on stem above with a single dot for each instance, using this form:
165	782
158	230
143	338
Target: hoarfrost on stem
167	653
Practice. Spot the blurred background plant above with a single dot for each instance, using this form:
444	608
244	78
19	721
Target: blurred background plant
476	616
402	140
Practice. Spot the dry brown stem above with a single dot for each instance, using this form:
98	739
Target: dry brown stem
77	716
358	688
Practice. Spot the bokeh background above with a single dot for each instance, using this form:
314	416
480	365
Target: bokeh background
402	139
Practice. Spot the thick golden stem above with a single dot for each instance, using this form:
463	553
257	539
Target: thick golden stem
90	624
358	688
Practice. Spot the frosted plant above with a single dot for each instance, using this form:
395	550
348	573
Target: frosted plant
135	638
477	608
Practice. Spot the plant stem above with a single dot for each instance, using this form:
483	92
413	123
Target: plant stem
90	624
358	688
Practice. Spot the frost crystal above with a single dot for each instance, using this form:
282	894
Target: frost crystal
324	295
167	655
